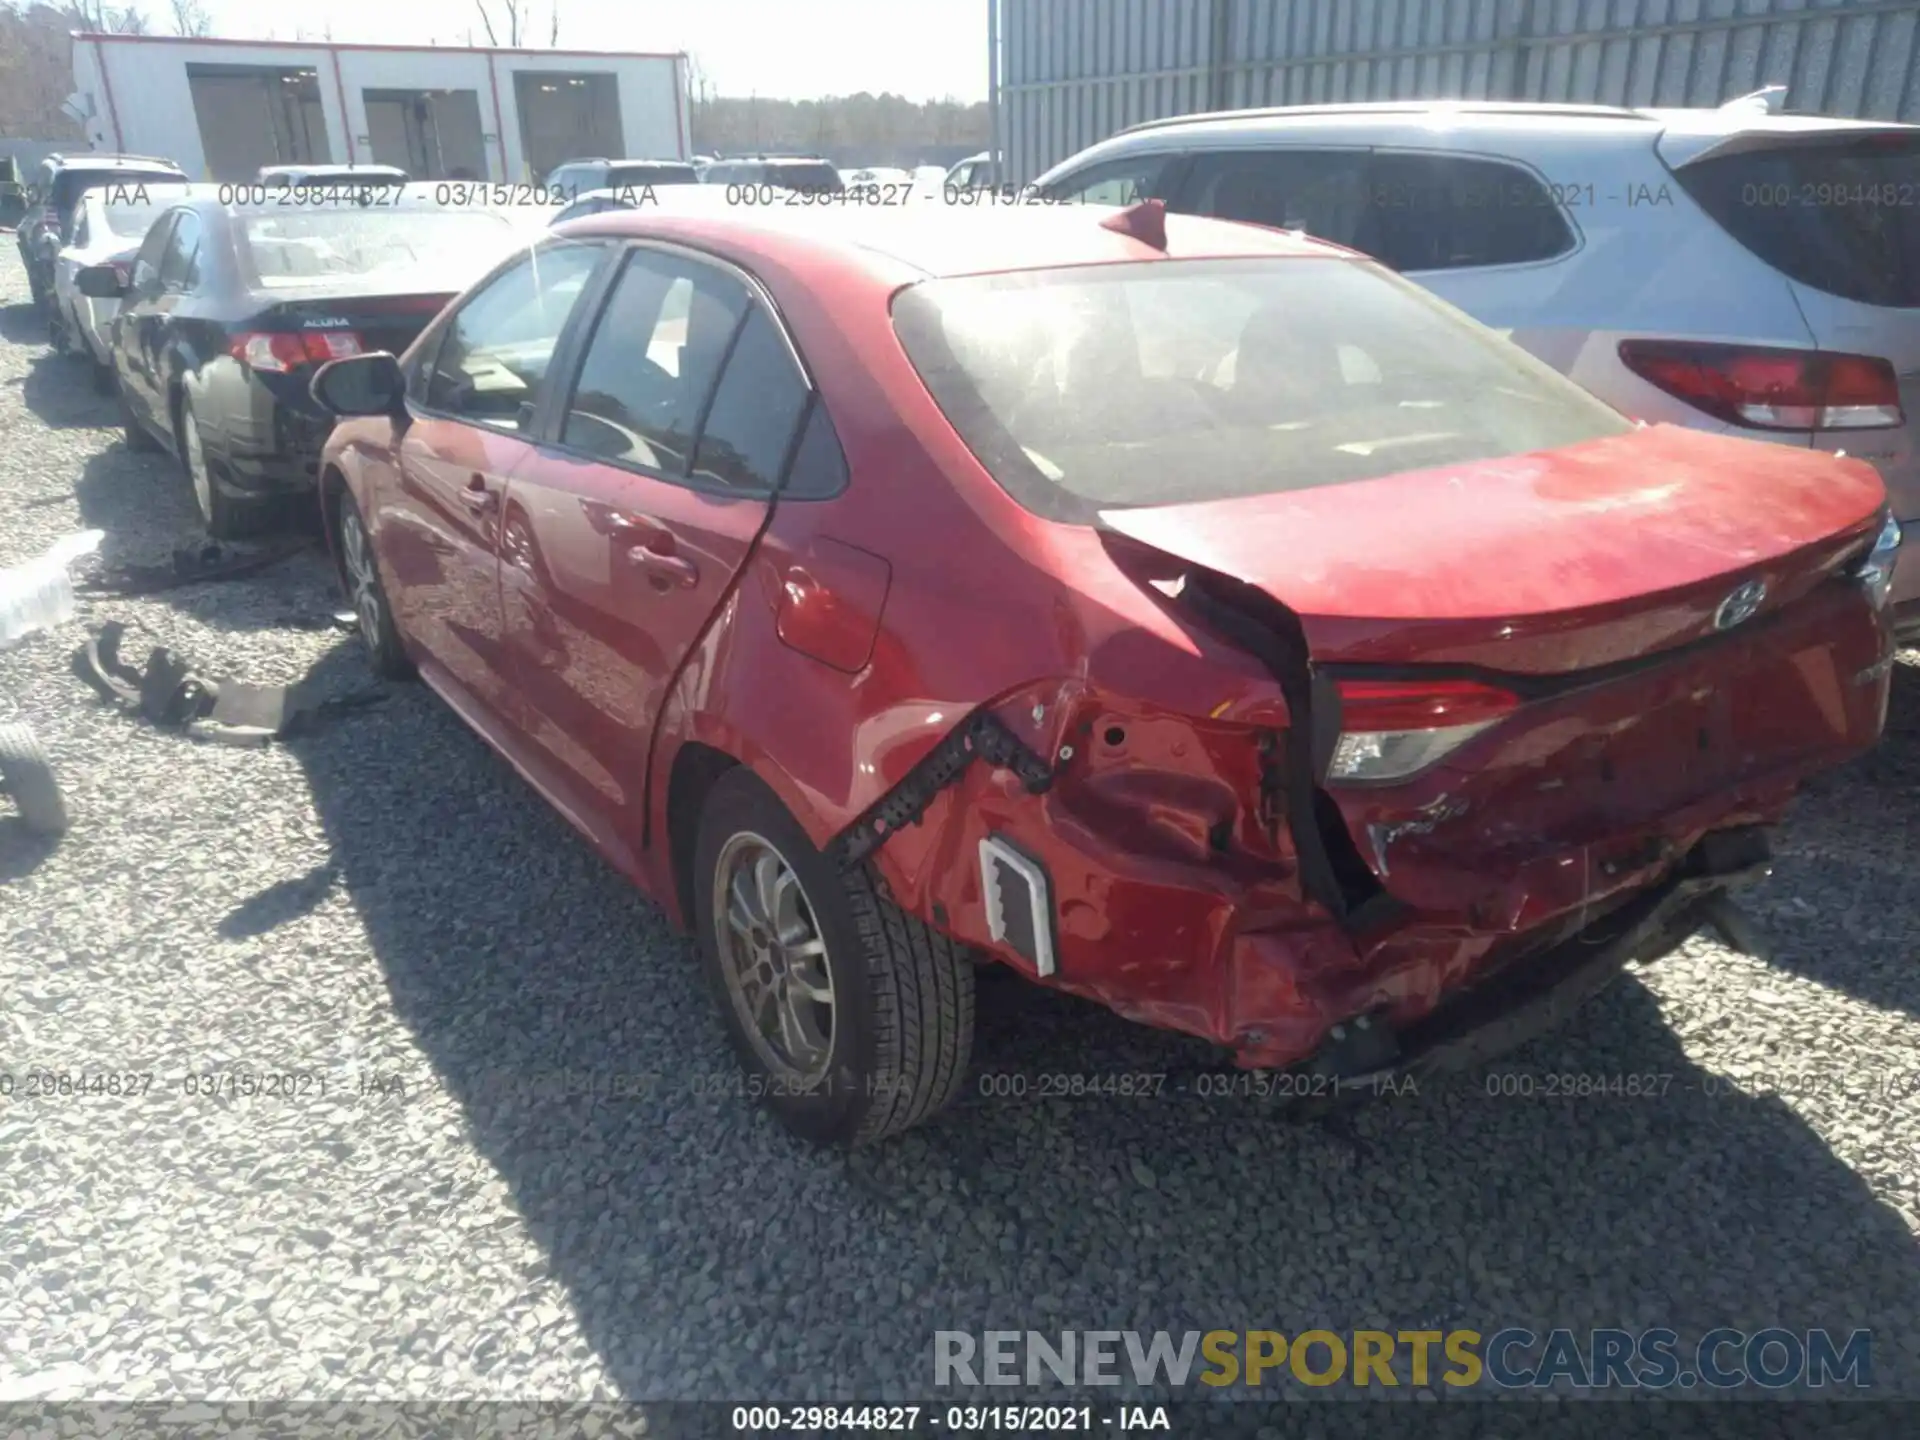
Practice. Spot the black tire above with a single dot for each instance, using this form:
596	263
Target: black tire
385	653
902	1031
136	435
28	776
225	517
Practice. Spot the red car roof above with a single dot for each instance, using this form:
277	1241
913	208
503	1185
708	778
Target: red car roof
938	239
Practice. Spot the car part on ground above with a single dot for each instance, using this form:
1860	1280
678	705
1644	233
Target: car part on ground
172	692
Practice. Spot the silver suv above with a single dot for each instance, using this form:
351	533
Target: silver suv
1735	270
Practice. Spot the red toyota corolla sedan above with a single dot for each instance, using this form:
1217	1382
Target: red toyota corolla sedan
1193	617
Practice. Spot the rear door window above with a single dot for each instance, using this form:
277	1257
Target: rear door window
1455	212
650	365
1839	215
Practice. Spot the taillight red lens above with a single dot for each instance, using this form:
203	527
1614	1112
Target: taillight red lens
1771	389
1391	730
1420	704
122	272
278	351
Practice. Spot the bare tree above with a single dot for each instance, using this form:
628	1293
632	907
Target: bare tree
190	18
519	22
102	18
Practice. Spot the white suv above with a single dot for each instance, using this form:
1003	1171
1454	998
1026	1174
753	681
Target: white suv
1734	270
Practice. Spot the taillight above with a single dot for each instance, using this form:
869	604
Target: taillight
1391	729
1771	389
122	272
279	351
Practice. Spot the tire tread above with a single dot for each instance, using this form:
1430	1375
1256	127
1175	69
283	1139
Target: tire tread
923	989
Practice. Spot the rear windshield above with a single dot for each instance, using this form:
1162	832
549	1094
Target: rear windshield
294	247
68	184
620	176
1839	216
1169	382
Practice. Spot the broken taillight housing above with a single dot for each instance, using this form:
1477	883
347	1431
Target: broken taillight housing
1875	571
1392	729
278	351
1765	388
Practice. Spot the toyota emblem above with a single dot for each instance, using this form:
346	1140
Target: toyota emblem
1740	605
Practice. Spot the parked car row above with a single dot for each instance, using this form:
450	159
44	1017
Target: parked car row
1191	615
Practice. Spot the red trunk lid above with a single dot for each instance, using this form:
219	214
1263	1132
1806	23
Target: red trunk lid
1542	563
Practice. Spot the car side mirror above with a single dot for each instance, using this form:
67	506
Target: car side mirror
100	282
361	385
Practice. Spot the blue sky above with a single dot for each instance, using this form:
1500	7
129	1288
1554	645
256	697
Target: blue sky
793	49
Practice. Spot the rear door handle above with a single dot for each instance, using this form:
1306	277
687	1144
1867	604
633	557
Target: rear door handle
665	571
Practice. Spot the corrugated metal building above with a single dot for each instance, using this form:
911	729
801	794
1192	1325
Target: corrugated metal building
1071	72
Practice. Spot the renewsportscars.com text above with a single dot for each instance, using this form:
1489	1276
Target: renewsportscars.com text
1507	1359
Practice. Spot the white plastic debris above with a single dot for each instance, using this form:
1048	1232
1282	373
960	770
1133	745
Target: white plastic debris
39	594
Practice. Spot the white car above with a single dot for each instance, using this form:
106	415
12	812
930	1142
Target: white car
109	222
1735	270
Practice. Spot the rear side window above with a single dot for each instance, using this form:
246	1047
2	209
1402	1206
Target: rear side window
1323	192
1841	216
1111	386
750	426
1453	212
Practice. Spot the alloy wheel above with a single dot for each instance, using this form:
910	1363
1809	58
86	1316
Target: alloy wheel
774	960
362	582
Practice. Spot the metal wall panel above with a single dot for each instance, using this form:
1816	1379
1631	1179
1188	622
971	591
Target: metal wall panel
1075	71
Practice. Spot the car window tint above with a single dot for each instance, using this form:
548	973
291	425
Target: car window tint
1323	192
750	427
179	265
656	349
495	352
1449	212
1118	182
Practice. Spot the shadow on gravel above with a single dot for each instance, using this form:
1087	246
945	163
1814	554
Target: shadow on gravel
22	851
57	389
1848	873
709	1256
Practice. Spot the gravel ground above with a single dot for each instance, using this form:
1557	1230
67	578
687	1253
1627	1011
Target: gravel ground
384	907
